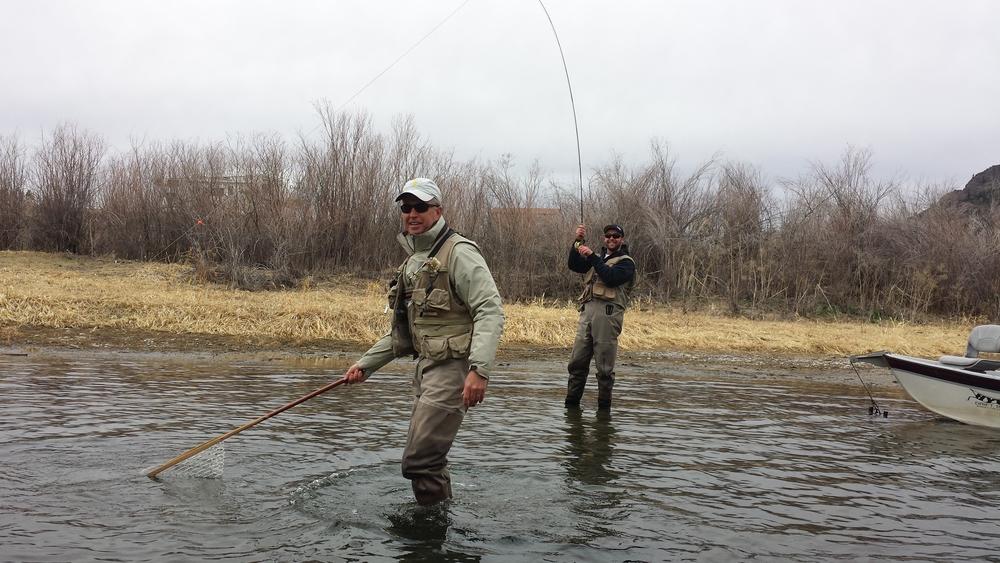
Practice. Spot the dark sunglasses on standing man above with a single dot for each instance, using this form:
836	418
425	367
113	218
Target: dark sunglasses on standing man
612	235
421	207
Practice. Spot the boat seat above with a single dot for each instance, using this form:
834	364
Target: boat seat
960	361
971	364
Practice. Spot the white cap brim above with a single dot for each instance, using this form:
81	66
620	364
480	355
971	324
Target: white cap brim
423	189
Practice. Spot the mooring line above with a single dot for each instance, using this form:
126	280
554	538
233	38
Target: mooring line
873	410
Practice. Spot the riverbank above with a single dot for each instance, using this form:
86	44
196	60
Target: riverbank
60	301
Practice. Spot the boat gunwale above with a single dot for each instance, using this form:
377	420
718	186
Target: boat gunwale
944	372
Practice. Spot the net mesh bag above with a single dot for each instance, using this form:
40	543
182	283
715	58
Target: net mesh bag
207	464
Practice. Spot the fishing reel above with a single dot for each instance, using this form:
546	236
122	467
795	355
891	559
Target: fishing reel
874	410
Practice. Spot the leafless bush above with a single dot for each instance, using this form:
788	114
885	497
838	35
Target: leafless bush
522	235
255	213
13	192
345	185
833	229
66	180
667	219
945	258
229	209
133	205
745	270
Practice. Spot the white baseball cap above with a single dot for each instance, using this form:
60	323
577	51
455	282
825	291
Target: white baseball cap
423	189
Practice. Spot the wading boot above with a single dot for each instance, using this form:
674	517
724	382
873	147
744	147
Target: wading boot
604	400
604	387
431	489
574	390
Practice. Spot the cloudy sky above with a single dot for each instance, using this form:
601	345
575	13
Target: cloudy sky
773	83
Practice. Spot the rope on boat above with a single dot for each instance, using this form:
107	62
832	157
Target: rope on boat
874	409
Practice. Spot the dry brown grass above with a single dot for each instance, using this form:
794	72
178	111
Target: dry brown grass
63	291
58	290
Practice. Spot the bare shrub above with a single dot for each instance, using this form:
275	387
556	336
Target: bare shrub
525	238
132	205
66	179
256	214
832	234
667	220
346	188
742	266
231	207
945	258
13	192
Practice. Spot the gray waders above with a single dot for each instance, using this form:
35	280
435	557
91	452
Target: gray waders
597	339
438	410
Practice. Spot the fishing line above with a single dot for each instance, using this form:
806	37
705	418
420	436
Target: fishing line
401	57
873	410
202	220
572	103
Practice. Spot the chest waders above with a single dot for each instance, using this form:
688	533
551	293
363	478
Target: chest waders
602	312
431	323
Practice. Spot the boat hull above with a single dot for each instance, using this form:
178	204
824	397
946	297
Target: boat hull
960	394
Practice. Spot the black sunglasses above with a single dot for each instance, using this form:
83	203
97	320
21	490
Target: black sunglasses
612	235
421	207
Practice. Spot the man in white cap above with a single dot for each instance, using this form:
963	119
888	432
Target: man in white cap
448	314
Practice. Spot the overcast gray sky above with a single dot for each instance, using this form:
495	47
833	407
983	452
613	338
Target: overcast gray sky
772	83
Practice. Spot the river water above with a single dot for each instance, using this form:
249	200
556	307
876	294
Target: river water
691	465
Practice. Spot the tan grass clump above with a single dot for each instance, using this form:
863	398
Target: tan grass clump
61	291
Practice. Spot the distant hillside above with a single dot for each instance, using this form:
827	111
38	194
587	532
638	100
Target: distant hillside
982	191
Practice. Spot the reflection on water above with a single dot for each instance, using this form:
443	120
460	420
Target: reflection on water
589	445
689	466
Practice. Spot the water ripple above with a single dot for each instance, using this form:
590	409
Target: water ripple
688	467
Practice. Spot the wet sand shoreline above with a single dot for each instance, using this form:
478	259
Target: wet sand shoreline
336	356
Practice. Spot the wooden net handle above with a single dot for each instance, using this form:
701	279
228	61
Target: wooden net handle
202	447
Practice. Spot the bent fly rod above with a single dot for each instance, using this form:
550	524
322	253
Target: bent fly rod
572	103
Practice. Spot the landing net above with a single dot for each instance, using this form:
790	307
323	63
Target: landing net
207	464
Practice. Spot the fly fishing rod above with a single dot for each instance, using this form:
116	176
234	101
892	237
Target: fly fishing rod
572	103
189	455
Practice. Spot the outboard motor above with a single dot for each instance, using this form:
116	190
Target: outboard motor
983	338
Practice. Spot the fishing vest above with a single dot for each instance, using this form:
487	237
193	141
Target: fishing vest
593	287
438	325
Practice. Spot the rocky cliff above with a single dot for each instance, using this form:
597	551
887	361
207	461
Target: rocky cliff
982	191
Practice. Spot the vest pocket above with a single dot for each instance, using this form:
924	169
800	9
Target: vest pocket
419	296
434	347
439	299
604	292
440	348
433	304
460	345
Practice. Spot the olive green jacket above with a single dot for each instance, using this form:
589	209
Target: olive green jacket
472	283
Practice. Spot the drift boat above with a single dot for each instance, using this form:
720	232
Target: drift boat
963	388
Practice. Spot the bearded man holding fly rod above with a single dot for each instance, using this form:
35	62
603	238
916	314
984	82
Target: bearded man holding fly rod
609	277
447	313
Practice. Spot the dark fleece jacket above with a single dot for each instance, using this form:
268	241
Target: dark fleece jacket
617	275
